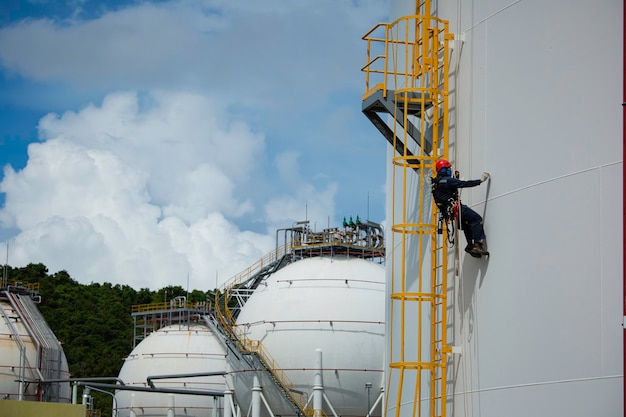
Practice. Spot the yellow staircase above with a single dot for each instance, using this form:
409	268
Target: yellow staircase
406	99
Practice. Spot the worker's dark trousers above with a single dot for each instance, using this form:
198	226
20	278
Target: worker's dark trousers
472	224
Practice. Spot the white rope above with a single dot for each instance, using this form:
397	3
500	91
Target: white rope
491	15
458	269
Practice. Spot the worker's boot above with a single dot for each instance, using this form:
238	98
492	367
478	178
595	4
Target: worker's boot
470	248
478	249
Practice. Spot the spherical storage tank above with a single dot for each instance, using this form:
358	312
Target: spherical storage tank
28	350
328	307
173	350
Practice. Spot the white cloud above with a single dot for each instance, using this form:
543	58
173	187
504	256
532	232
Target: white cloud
164	175
268	52
122	194
302	200
194	159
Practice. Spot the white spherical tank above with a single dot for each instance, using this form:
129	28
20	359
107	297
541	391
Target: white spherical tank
25	357
170	351
331	309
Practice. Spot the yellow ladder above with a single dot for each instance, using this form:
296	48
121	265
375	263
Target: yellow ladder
407	81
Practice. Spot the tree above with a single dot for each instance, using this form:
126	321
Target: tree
93	322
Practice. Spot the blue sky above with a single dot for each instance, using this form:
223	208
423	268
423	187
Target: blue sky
145	141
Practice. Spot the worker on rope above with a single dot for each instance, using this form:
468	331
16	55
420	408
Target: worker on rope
445	189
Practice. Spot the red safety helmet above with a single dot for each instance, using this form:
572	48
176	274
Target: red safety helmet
442	163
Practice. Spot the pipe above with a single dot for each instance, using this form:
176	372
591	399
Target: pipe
22	347
87	400
256	398
623	208
330	405
156	390
132	406
92	379
228	403
170	406
301	227
267	406
318	385
76	382
31	332
378	400
105	392
173	376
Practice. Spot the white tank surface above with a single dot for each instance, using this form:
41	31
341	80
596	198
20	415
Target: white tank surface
29	352
536	328
173	350
333	305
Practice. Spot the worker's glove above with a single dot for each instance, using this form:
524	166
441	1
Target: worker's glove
484	177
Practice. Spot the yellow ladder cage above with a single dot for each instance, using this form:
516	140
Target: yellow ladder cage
407	75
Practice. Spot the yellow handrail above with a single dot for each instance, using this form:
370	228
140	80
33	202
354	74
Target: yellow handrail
266	260
168	305
299	399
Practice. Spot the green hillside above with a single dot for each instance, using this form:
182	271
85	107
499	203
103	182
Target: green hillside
93	322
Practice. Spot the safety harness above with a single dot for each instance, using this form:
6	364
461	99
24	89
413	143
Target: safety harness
448	211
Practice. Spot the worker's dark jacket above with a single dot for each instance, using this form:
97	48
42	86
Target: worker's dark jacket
445	190
446	194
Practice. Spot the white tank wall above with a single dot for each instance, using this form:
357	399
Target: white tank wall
537	102
173	350
13	366
334	305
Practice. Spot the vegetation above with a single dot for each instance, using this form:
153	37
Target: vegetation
93	322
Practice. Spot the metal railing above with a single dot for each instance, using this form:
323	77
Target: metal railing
267	260
248	345
167	305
